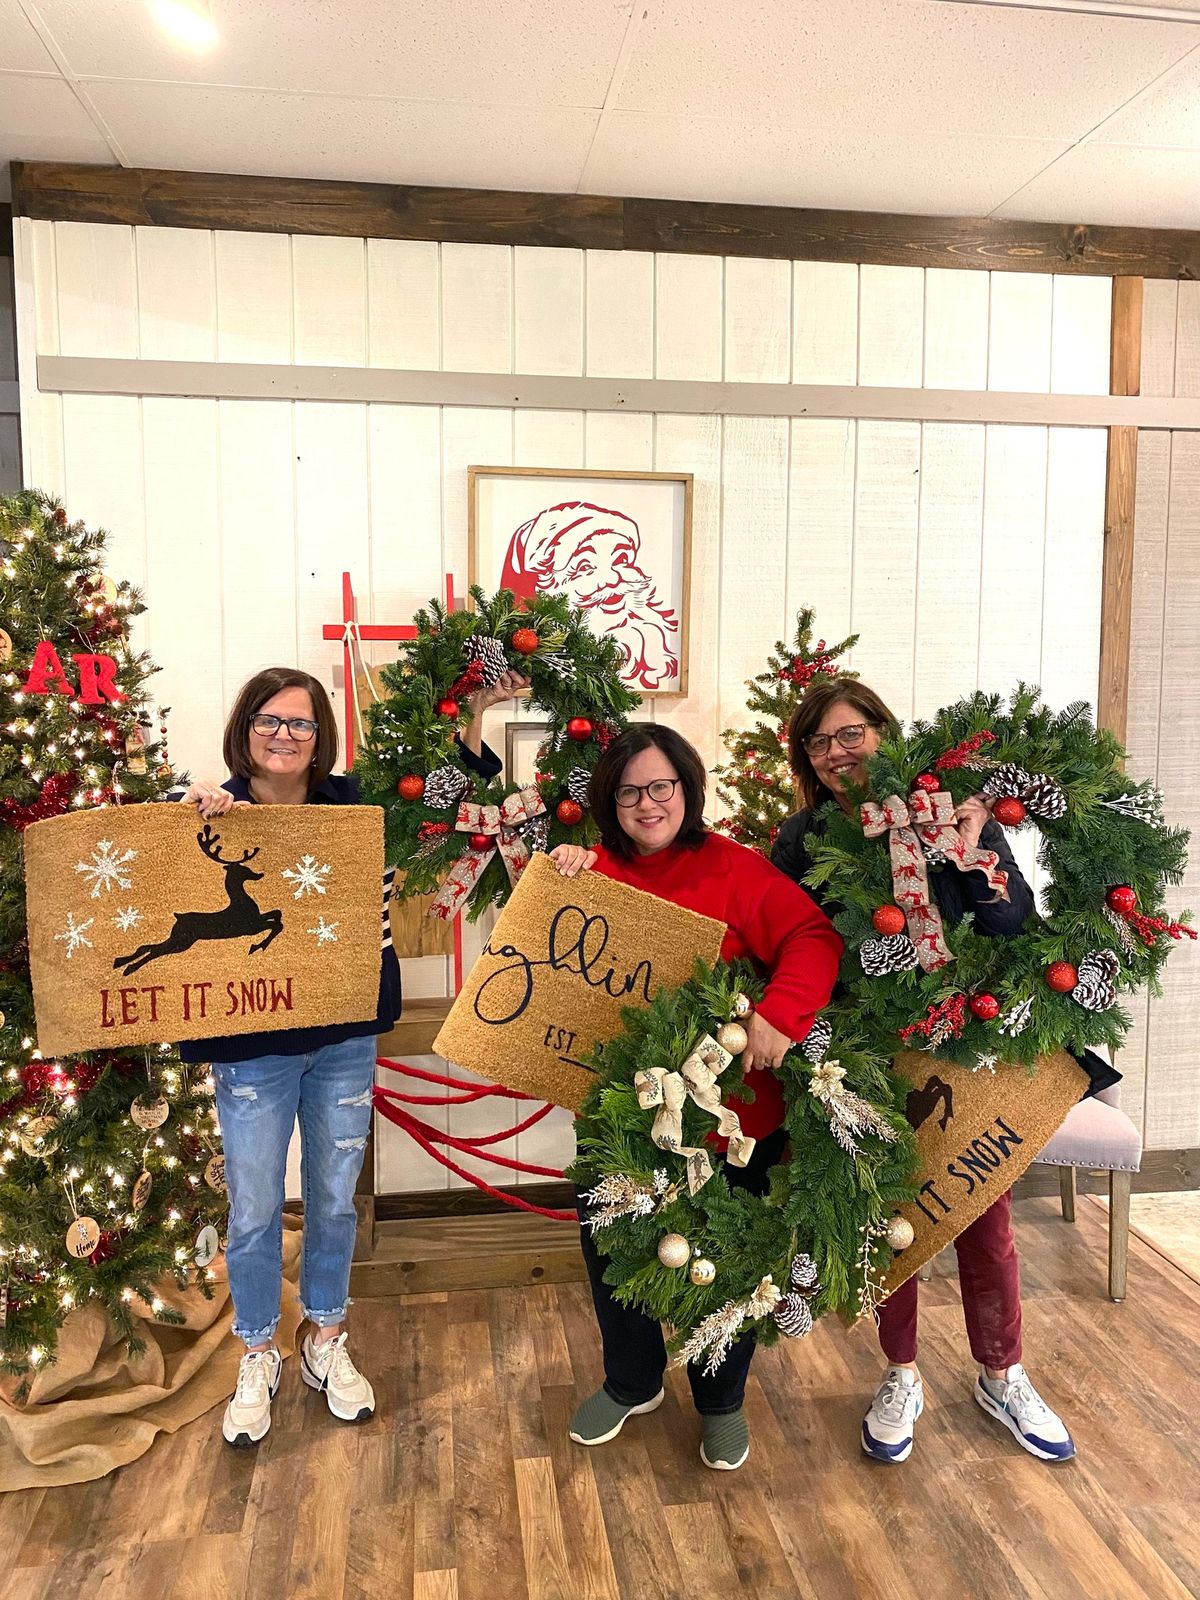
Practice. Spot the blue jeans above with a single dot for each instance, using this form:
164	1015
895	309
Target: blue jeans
258	1102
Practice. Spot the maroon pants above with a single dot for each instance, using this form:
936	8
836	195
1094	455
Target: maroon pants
989	1276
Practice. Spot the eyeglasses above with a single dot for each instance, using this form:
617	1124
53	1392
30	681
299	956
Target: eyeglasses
849	737
299	727
661	789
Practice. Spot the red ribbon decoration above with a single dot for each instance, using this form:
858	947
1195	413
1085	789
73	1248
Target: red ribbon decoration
502	823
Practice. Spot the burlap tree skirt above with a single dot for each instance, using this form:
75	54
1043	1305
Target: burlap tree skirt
96	1408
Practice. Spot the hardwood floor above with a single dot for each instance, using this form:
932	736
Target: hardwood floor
465	1486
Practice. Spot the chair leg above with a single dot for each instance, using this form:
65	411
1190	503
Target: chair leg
1066	1189
1119	1186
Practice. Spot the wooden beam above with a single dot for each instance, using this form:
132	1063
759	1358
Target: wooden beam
6	234
58	192
1120	493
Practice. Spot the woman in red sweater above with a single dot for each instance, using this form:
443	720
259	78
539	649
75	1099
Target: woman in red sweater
647	796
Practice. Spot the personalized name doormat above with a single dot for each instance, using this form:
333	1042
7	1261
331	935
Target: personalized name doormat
976	1134
148	923
565	956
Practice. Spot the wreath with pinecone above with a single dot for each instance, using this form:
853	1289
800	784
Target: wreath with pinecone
451	834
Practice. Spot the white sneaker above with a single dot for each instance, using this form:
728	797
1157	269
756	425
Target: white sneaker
248	1415
328	1366
887	1430
1017	1404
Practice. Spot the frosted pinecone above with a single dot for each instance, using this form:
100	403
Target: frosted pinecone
1099	965
1094	994
817	1041
1044	797
895	952
445	787
804	1272
578	781
793	1316
489	653
1007	779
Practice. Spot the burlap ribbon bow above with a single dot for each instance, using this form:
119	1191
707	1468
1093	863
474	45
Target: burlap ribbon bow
926	819
502	823
669	1091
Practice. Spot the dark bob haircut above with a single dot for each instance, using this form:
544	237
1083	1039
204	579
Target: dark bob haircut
254	694
809	715
606	780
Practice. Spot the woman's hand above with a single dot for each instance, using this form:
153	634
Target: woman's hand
210	799
505	687
970	817
765	1045
571	859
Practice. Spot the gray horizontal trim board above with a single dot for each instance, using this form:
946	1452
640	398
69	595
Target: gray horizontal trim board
230	380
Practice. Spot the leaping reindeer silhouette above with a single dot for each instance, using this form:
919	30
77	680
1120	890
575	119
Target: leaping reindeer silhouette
237	920
922	1103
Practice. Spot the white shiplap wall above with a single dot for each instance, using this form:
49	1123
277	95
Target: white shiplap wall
964	554
10	442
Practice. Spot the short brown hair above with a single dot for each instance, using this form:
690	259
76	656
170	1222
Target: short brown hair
254	694
809	715
606	780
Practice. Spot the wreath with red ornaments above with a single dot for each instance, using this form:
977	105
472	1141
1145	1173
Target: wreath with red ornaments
454	835
1101	929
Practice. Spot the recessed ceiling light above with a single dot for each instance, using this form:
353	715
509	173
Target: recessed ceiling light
188	21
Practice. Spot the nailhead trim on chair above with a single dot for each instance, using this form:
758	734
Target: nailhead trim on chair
1085	1166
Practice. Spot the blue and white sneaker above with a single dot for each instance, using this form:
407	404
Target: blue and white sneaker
887	1430
1014	1402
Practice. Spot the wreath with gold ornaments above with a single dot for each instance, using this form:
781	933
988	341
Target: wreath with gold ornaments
454	835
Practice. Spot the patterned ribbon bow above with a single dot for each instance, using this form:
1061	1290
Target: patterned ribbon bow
502	823
926	819
669	1091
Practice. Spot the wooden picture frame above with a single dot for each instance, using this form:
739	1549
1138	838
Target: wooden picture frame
521	741
637	530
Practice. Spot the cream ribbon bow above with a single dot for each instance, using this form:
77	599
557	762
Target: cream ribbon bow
697	1080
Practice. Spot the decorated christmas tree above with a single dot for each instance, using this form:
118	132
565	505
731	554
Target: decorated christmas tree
756	782
103	1157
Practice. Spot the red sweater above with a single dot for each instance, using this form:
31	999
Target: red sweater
768	918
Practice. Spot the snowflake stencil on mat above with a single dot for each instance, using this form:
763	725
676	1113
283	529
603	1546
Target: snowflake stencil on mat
307	877
75	934
107	869
326	932
127	918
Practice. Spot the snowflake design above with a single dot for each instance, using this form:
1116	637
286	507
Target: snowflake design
307	876
75	934
107	869
326	932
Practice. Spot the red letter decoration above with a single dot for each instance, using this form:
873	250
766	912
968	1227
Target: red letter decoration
46	675
98	680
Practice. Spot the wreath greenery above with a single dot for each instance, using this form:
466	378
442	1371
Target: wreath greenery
412	766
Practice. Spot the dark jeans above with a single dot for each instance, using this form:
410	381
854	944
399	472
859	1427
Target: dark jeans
635	1353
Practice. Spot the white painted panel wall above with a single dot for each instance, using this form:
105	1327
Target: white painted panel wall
239	517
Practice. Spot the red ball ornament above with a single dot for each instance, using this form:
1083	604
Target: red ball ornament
1121	899
580	729
411	787
1061	976
525	641
447	708
928	781
568	812
1009	811
480	842
889	919
985	1006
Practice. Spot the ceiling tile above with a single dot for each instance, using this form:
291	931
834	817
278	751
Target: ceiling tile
20	48
931	174
1117	184
41	120
1167	114
505	52
241	130
899	65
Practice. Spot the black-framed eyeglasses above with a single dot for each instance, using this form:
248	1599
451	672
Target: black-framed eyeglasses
849	737
661	790
301	728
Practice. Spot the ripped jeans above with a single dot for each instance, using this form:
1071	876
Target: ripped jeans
258	1102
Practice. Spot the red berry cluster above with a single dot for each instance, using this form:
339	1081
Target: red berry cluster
432	830
471	680
802	673
949	1016
962	753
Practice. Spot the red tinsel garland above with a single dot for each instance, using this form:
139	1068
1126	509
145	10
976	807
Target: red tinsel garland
54	799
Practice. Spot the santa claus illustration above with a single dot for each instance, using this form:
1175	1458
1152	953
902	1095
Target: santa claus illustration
590	554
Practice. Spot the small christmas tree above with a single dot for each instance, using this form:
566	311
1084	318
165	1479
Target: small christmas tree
756	782
103	1157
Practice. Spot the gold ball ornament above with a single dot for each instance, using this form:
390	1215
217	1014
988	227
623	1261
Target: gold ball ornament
742	1006
83	1236
108	589
899	1233
39	1136
702	1271
6	645
149	1114
732	1036
674	1250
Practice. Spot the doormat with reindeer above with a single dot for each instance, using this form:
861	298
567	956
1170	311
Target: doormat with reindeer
148	924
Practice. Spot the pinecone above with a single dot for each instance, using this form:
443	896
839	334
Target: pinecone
817	1041
489	653
445	787
1094	994
1044	797
895	952
804	1273
1100	966
793	1316
578	780
1007	779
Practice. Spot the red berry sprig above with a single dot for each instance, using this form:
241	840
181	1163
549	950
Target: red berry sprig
945	1020
962	753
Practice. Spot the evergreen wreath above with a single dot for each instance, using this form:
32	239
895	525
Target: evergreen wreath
413	768
718	1261
1104	846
